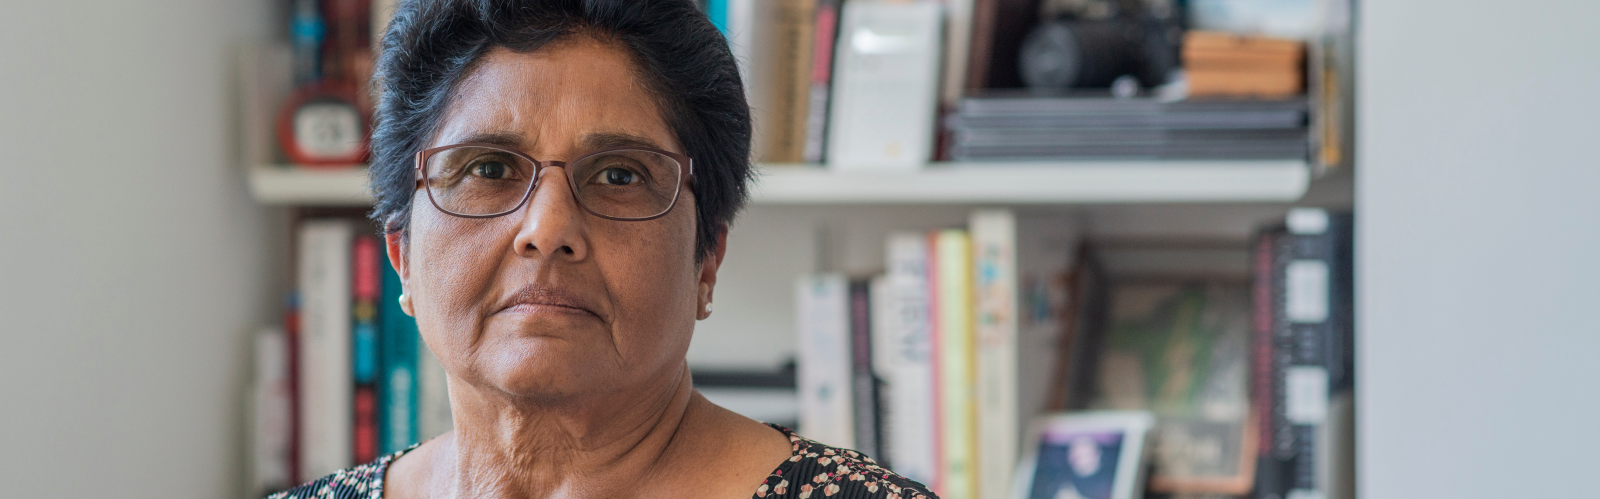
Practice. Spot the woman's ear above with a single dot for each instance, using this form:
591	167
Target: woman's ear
708	272
395	244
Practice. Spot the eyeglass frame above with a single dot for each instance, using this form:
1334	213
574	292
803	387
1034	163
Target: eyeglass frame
685	177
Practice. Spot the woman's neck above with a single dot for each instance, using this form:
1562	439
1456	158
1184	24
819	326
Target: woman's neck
591	446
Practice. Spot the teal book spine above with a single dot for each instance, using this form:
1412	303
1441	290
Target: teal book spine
399	358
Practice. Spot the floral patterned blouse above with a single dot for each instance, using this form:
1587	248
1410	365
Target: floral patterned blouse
812	471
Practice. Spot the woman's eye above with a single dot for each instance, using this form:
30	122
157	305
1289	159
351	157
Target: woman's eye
618	176
492	170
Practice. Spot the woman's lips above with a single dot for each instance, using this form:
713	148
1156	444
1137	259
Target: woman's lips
534	299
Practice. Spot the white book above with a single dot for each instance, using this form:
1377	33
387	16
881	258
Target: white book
271	414
325	377
885	88
823	360
433	395
994	235
913	434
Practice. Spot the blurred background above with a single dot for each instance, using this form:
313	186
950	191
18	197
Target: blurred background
1366	230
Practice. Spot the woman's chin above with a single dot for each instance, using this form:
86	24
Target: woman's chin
548	368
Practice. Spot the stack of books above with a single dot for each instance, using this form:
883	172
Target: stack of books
1021	126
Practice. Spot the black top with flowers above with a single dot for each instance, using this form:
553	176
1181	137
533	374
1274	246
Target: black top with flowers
812	471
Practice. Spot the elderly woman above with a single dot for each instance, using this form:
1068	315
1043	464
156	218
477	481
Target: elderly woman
556	179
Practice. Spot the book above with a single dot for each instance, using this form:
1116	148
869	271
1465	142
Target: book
863	382
433	395
953	342
1315	337
365	285
790	82
912	418
399	345
996	375
957	50
883	360
885	92
816	130
1263	386
272	412
325	387
824	361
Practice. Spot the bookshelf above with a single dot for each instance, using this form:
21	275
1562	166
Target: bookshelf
1073	182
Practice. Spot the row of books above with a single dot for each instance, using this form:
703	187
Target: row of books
347	377
939	366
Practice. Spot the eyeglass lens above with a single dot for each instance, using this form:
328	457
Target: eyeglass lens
480	181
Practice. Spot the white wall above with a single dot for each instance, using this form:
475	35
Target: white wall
1478	194
132	265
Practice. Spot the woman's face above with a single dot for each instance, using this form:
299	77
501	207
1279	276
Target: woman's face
550	302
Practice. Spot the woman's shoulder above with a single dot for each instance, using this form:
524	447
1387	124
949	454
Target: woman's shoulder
360	482
817	470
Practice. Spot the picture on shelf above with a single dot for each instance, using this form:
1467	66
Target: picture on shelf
1096	455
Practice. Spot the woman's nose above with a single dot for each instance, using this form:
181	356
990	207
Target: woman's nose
552	222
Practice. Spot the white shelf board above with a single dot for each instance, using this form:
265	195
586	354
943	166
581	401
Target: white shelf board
1045	182
280	184
939	183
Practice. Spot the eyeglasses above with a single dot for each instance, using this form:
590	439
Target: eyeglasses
476	180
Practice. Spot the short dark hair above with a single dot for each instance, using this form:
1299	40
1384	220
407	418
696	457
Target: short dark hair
682	58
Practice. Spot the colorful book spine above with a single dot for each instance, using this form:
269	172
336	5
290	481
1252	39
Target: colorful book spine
824	361
1263	387
364	346
398	341
913	431
717	11
995	391
863	384
325	352
958	414
816	126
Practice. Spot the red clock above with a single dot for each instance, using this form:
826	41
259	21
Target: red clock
324	123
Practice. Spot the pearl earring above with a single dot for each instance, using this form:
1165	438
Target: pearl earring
405	304
708	307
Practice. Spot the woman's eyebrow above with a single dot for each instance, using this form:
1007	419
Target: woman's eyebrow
608	140
510	140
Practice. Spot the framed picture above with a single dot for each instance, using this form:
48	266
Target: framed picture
1088	455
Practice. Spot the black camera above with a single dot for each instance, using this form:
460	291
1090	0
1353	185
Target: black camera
1090	44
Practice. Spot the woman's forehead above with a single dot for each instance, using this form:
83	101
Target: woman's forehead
555	99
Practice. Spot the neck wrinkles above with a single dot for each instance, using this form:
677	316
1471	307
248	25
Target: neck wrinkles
598	448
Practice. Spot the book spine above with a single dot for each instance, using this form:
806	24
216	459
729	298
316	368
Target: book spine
1262	385
785	132
824	361
325	353
365	285
826	35
864	386
994	278
398	335
1307	310
271	414
913	400
433	394
956	364
717	11
291	328
882	363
